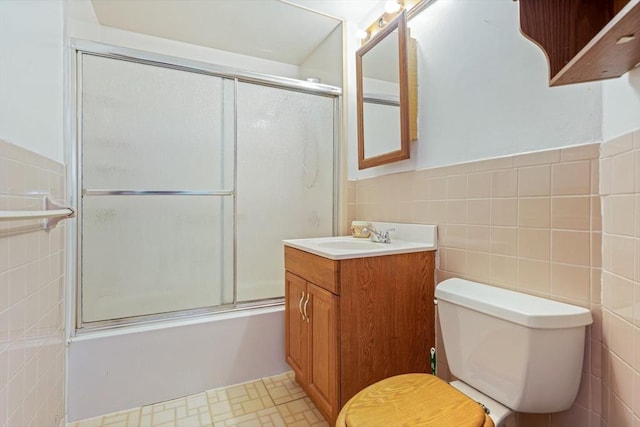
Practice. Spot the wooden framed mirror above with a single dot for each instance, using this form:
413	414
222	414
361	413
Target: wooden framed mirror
383	96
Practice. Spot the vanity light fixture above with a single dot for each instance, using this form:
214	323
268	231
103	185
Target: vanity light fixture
362	34
392	6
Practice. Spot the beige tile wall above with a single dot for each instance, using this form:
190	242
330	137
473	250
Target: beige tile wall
31	294
620	363
528	222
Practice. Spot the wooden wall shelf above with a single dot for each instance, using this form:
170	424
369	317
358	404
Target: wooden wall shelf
584	40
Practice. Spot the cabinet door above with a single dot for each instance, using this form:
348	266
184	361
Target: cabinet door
324	364
296	327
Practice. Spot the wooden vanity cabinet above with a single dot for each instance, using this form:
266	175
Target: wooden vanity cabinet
352	322
312	341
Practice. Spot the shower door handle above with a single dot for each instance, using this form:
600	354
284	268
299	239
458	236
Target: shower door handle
300	305
305	307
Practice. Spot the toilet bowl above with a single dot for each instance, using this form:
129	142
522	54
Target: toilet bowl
510	352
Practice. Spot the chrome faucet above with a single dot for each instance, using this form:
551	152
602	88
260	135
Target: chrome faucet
381	236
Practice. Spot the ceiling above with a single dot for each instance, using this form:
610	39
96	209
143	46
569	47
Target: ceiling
283	31
357	11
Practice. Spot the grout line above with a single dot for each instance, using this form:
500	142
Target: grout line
268	392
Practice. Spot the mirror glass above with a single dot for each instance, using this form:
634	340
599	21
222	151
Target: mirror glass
383	124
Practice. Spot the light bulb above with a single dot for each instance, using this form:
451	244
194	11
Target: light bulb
391	6
362	34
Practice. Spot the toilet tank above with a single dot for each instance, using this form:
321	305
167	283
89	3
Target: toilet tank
523	351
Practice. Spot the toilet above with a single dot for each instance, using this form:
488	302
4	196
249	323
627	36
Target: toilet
509	352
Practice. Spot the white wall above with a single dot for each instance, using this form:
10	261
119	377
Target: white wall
83	24
621	105
31	75
483	91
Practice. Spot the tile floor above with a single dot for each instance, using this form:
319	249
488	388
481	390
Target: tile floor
270	402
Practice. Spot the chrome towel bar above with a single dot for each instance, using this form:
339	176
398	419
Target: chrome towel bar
52	212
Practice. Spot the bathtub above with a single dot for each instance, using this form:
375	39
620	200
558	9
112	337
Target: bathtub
122	369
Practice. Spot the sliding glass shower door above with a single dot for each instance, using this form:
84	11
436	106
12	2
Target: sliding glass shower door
284	180
189	182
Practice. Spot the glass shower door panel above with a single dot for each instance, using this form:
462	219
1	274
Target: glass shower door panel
155	254
146	127
285	155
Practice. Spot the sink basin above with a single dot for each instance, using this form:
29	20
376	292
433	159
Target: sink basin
346	247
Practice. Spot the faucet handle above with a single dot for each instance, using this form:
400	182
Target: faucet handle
382	236
386	232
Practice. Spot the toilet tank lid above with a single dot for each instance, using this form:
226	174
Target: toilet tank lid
516	307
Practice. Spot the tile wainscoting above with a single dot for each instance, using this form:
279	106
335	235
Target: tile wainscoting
620	364
32	264
529	222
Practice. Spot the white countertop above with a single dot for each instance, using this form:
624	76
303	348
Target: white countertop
423	238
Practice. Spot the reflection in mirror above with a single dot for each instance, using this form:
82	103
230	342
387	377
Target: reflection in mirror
381	97
383	124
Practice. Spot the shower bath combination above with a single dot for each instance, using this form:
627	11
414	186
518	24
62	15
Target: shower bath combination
187	179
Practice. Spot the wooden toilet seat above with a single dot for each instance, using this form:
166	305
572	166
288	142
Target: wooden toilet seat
412	400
